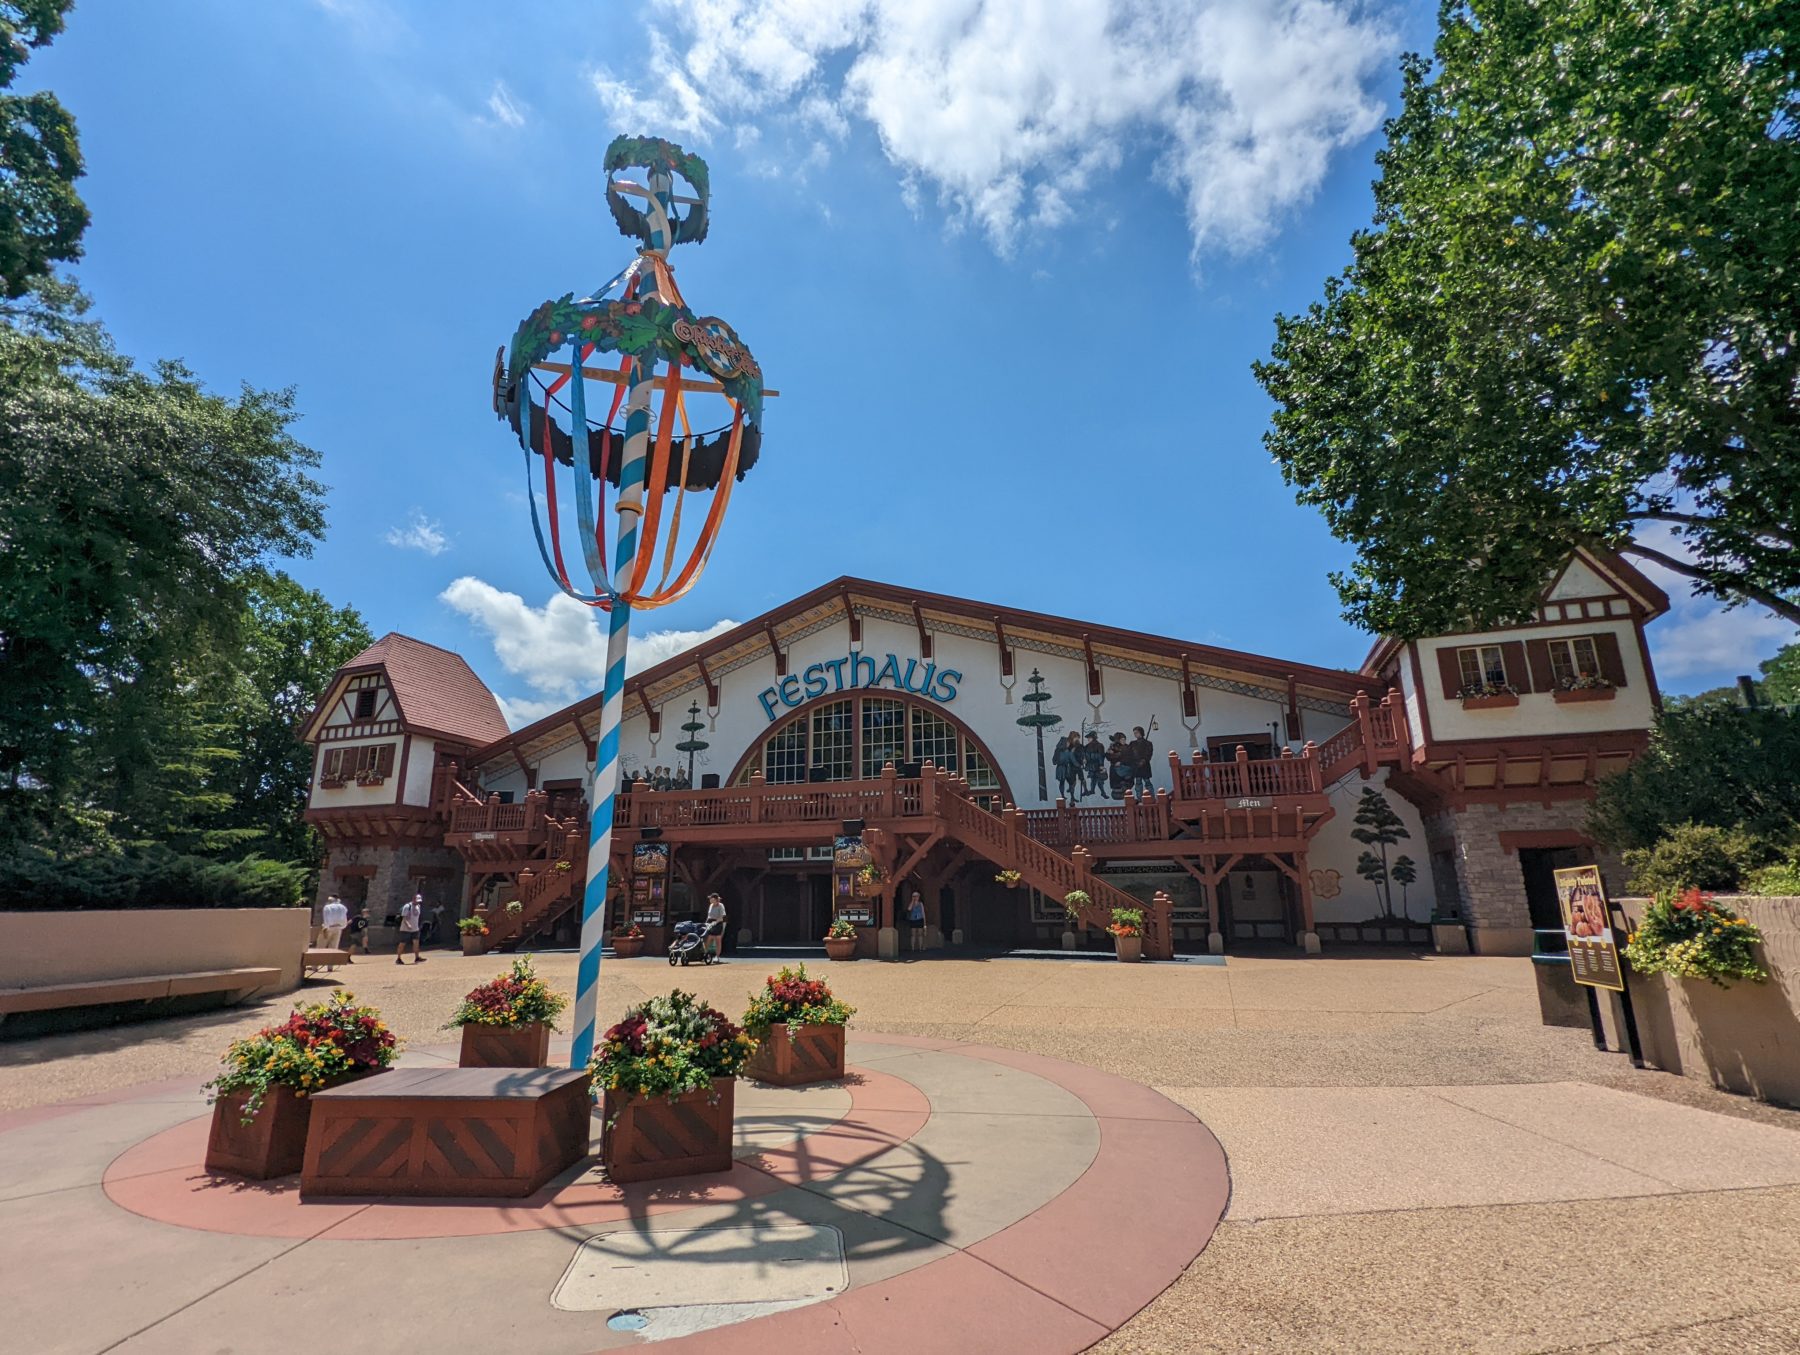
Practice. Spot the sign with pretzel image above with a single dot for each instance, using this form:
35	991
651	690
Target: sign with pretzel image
1593	949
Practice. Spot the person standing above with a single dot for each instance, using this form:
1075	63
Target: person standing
1142	752
410	914
332	923
715	926
1064	760
915	922
1093	764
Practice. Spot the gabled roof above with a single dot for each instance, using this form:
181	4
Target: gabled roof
1649	600
829	601
436	690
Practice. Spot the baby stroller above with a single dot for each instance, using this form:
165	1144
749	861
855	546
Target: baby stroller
690	943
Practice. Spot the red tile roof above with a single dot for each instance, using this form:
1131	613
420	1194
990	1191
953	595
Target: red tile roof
436	690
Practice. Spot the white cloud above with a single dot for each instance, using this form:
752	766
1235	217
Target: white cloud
420	533
558	650
1016	110
504	108
1699	640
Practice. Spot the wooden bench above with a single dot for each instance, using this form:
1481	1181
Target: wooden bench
315	958
447	1132
145	988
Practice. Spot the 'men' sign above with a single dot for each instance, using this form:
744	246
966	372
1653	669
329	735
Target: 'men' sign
860	671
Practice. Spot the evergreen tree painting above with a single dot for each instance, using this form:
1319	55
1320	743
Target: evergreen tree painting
1377	825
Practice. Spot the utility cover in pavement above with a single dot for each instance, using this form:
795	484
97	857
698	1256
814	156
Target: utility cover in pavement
650	1269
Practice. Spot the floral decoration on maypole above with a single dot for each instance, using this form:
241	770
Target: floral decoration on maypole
642	317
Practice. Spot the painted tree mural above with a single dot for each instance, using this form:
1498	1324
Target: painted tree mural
1405	873
1378	826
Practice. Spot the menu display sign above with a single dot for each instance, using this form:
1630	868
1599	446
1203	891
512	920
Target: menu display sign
1593	948
861	914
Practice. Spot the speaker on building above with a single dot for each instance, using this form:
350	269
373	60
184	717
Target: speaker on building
649	834
851	827
709	780
912	770
818	774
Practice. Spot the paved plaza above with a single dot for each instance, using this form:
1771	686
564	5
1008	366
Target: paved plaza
1026	1157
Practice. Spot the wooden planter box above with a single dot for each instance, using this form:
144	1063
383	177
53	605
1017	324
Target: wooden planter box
1501	702
272	1144
525	1046
1573	694
628	947
647	1138
840	948
473	944
812	1054
1130	948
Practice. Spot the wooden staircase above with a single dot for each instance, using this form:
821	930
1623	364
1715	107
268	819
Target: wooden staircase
1002	839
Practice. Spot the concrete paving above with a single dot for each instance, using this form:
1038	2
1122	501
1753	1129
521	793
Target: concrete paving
1417	1164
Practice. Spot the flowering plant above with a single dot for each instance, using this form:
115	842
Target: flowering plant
1009	878
1127	922
1688	936
871	874
1074	901
1479	689
630	931
841	929
316	1046
472	926
669	1045
519	998
514	907
1585	682
792	999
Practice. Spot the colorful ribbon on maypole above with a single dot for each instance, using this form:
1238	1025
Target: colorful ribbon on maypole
641	316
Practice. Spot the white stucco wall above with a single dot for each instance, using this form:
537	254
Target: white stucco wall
419	761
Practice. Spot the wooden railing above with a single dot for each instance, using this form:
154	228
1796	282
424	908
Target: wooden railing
1138	819
1376	735
759	802
1245	777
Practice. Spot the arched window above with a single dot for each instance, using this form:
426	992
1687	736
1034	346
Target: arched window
852	738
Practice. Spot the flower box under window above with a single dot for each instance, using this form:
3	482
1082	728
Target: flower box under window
369	778
1490	701
331	783
1568	695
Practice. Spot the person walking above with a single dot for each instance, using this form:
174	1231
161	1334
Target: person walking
1066	777
1142	752
915	922
410	914
715	935
332	922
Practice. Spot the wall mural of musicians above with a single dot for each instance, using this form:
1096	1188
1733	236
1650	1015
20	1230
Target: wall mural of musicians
1089	768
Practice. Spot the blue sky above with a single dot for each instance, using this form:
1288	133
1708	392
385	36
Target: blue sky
1008	263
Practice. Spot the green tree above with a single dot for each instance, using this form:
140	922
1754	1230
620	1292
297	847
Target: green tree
133	509
1781	676
41	216
1377	825
1711	764
1573	319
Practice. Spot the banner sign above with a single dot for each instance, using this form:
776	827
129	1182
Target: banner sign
1593	949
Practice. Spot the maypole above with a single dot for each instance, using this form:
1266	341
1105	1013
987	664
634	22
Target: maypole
647	321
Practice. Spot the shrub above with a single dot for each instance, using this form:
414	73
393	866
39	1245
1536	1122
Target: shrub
316	1046
1694	856
152	877
518	998
841	929
1688	936
1779	880
669	1045
790	998
1127	922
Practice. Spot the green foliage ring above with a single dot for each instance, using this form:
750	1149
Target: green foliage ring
653	153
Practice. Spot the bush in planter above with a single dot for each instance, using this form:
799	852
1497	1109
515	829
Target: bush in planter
791	999
472	926
316	1046
669	1045
1009	878
1073	902
1694	856
518	998
1690	937
841	929
1126	922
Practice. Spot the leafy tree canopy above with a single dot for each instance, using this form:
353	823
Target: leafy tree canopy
41	215
144	652
1573	320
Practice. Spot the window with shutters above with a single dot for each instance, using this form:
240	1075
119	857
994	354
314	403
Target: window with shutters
1575	663
365	704
1482	669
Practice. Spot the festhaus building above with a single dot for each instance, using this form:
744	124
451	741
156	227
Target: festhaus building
1237	799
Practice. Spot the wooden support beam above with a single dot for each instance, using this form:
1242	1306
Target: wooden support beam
652	715
781	661
924	635
1006	654
1093	669
1190	699
919	853
855	620
712	688
618	376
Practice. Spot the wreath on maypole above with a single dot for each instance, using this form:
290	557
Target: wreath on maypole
642	317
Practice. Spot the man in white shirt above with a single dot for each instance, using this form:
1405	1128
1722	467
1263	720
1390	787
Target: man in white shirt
410	913
332	923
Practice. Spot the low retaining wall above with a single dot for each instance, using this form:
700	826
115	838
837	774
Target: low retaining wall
38	948
1745	1038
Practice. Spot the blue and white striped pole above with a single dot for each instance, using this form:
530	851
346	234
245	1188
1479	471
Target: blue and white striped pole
612	702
